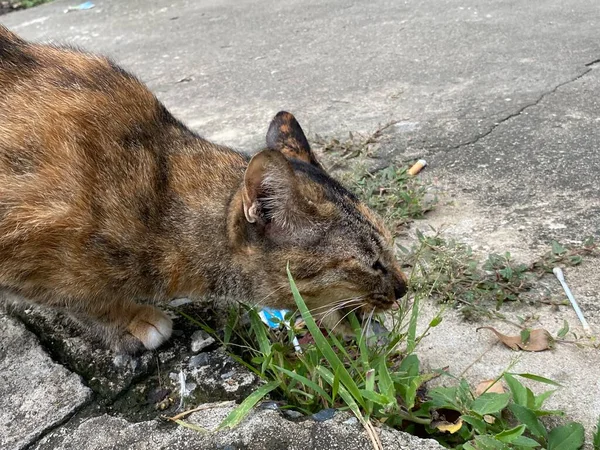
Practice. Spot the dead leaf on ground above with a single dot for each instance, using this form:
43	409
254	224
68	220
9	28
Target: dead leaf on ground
489	386
535	341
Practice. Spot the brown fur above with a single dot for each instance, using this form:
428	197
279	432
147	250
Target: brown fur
107	201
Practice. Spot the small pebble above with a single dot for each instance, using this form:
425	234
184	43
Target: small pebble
323	415
350	421
293	414
198	361
269	405
200	340
227	375
180	302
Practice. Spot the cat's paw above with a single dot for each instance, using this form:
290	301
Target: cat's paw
151	327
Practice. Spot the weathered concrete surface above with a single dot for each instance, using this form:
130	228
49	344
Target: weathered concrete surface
36	394
500	97
106	374
140	387
262	430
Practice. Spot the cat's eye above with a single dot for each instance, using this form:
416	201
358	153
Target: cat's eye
378	267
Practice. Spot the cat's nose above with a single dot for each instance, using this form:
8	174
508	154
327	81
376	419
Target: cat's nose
399	288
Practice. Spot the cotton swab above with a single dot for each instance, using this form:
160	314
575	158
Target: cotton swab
559	274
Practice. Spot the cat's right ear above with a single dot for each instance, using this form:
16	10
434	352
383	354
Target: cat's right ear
270	192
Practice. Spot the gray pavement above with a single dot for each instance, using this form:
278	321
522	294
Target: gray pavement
500	97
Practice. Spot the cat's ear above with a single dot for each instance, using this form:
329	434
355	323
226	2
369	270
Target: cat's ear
270	191
286	136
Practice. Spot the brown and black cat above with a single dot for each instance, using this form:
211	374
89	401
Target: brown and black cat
108	204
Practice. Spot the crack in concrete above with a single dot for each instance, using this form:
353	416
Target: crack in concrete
525	107
51	354
46	431
592	63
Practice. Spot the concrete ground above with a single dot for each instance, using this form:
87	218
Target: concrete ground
500	98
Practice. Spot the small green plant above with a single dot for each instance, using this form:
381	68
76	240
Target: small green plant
380	381
31	3
597	436
379	378
452	273
397	196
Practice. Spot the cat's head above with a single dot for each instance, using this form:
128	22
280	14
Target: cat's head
339	252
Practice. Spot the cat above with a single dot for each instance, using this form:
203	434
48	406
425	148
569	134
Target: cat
110	206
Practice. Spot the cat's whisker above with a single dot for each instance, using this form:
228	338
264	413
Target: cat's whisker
365	328
337	303
346	315
349	303
259	303
273	292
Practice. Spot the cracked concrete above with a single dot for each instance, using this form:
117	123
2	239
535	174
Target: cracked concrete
37	394
500	98
525	107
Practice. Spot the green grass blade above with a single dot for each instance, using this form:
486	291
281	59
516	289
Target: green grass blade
192	426
306	382
533	377
231	324
376	397
353	363
344	394
597	436
411	338
258	328
386	385
238	414
361	340
202	325
324	345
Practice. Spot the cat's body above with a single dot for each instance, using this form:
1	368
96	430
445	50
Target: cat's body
106	200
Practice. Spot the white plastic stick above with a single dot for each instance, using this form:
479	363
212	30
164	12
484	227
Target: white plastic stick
559	274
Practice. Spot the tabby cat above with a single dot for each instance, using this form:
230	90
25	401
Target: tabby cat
109	205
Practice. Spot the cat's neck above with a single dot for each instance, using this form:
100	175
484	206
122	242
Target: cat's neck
203	259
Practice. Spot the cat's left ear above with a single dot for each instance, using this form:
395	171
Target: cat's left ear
270	191
286	136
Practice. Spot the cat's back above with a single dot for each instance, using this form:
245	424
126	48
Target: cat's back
84	171
60	90
73	125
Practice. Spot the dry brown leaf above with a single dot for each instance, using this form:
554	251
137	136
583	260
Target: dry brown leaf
489	386
448	427
539	340
489	419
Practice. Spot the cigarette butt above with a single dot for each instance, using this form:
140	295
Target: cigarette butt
417	167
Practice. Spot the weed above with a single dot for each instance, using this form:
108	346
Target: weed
379	383
397	196
357	144
452	273
23	4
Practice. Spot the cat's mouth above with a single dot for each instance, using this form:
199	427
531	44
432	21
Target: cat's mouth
380	303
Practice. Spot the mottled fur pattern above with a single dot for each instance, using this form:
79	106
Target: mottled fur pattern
109	204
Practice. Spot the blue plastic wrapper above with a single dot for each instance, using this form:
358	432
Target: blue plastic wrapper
274	318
